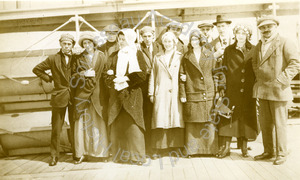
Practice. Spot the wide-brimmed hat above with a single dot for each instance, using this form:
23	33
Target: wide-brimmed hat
221	19
87	35
67	37
205	25
267	20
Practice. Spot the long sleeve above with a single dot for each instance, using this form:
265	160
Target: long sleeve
182	93
293	68
40	69
152	79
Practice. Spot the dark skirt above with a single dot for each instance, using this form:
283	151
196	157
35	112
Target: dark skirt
127	139
167	138
201	138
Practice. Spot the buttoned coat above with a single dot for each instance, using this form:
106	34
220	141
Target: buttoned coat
275	70
163	86
61	74
239	81
199	87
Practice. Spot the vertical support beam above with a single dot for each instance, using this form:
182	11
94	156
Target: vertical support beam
153	21
274	9
77	27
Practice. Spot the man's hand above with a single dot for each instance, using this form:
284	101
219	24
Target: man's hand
151	98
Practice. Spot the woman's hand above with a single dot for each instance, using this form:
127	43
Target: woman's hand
151	98
183	100
89	73
183	77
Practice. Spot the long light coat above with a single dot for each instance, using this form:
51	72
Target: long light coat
163	86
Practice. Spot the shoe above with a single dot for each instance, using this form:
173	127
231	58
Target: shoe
79	161
279	160
244	147
53	161
225	150
263	156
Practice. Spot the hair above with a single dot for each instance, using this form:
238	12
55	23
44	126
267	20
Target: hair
245	28
169	35
198	34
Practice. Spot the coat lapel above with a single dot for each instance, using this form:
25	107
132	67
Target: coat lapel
147	54
58	63
192	58
270	50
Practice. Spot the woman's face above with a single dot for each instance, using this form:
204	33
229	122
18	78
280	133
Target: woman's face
88	45
168	43
241	36
195	42
122	41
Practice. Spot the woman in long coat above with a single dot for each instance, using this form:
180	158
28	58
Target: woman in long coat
89	101
239	84
167	123
123	77
197	92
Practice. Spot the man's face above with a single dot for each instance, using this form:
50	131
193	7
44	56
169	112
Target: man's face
268	30
66	46
223	28
148	38
177	31
205	30
111	36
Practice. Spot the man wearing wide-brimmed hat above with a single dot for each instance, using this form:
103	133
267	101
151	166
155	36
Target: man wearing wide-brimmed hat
61	66
225	37
111	44
275	63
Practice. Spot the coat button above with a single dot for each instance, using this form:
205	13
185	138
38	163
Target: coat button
201	78
204	98
242	80
242	90
204	94
170	90
243	70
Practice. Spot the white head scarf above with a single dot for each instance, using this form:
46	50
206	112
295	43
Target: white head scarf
127	58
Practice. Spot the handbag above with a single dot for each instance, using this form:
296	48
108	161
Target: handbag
223	110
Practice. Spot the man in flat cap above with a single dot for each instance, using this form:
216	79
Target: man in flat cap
176	28
275	64
206	29
111	44
146	53
61	65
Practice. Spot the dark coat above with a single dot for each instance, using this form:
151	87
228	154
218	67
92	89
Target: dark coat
131	98
107	49
61	74
199	87
239	84
90	89
275	70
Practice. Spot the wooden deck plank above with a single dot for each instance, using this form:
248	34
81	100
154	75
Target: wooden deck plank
178	173
189	173
166	174
155	174
247	169
199	168
224	170
211	168
236	170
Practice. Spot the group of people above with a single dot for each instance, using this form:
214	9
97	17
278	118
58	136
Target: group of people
127	101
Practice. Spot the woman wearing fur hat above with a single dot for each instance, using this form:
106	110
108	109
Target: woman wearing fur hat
239	80
89	100
124	76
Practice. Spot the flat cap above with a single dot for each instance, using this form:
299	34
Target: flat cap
67	37
111	28
174	25
205	25
267	20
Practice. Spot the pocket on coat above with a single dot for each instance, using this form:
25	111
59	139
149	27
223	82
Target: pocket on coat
187	110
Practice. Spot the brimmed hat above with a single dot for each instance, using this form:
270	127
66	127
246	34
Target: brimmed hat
67	37
146	29
174	25
205	25
111	28
221	19
267	20
243	27
87	35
